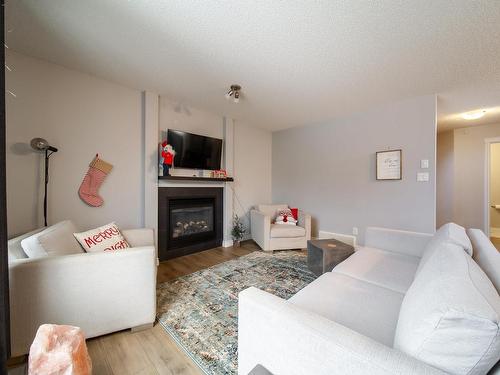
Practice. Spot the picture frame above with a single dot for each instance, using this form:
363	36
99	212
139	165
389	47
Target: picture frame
389	165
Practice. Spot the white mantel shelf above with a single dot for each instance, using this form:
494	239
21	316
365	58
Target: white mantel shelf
194	178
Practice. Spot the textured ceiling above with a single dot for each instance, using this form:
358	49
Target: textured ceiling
299	62
451	106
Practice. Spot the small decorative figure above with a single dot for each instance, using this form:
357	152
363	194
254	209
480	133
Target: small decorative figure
220	173
286	217
167	157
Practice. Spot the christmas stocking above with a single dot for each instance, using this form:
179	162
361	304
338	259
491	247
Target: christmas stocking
92	181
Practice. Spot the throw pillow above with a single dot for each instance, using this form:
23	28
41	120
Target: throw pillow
105	238
450	233
285	217
450	315
55	240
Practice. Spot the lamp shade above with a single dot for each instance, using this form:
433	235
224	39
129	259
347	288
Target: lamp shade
40	144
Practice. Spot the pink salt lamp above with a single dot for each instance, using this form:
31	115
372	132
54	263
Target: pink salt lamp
59	350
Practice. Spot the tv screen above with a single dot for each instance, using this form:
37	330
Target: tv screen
195	151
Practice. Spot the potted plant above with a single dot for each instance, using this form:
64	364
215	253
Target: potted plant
238	231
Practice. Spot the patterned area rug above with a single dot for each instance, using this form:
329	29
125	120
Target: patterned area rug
200	310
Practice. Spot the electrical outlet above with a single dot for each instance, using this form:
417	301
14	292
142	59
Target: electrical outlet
355	231
422	176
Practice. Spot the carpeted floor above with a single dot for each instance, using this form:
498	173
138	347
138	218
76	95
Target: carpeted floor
200	310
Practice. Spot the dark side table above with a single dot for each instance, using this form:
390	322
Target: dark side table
324	255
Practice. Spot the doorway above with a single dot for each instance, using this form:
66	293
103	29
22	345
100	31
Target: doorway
492	194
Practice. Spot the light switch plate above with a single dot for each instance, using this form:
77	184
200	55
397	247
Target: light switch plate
422	176
424	163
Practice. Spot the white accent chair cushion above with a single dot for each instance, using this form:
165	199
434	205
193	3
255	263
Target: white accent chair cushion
361	306
286	231
380	267
450	315
53	241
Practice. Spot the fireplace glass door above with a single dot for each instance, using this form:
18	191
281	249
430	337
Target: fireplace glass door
192	220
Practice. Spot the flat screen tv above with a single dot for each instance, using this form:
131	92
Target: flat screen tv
195	151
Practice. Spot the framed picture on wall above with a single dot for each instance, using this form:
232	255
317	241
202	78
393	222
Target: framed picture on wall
389	165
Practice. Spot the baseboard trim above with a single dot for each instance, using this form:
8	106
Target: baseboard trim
227	243
347	238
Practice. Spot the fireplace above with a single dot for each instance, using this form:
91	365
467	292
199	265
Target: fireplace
189	220
191	217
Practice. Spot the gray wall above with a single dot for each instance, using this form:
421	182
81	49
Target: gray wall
495	185
445	184
84	115
329	170
467	168
81	115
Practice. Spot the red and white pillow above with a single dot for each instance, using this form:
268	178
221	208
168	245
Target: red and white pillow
105	238
286	217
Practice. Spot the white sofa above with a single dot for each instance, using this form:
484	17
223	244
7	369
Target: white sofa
406	303
100	292
271	236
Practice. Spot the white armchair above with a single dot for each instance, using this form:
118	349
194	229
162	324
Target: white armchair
271	236
99	292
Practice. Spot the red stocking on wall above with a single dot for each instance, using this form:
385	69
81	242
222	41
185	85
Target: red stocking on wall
92	181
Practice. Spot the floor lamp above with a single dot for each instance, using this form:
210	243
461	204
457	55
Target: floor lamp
40	144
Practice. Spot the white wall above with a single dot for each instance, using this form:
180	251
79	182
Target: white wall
179	116
81	115
444	178
251	159
329	170
252	169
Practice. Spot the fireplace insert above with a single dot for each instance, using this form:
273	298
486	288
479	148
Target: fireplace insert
189	220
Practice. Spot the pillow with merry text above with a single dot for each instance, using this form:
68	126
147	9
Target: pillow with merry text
105	238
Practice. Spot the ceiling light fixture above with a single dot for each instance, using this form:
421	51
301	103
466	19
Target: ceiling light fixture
474	115
234	92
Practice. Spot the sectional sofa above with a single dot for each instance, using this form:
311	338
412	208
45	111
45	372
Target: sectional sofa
405	303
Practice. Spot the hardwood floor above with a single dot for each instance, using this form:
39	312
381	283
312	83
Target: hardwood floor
191	263
153	351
